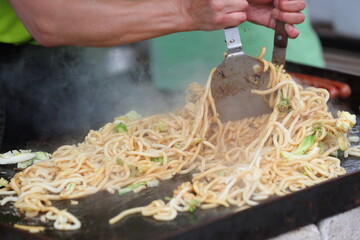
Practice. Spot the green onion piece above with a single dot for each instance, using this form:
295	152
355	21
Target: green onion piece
305	145
136	185
159	160
120	162
69	187
309	168
125	190
192	208
167	198
120	128
130	188
193	204
284	105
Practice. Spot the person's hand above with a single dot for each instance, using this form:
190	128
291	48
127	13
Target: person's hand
211	15
266	12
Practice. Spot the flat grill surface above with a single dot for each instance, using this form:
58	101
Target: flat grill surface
271	217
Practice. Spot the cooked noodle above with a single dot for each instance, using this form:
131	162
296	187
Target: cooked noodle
236	163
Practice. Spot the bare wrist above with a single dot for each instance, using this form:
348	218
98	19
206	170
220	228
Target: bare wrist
185	19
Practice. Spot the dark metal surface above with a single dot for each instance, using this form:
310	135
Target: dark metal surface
270	218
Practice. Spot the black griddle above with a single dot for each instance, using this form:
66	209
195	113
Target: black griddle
270	218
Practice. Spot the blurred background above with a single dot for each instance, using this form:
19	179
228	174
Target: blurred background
337	24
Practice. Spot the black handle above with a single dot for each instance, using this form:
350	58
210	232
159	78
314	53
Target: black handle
281	38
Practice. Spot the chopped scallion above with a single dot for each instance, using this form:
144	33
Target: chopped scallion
70	187
308	168
305	145
193	204
120	128
284	105
131	188
159	160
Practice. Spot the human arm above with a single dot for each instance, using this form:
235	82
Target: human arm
266	12
117	22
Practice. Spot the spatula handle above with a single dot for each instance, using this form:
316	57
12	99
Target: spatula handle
233	40
281	37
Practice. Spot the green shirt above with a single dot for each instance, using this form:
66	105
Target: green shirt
11	28
181	58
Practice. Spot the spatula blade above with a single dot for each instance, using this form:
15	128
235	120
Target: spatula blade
279	55
231	87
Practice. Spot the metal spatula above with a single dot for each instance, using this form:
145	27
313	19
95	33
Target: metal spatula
235	77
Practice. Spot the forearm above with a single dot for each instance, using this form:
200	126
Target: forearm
99	22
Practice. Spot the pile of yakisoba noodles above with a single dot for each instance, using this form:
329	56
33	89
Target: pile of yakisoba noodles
235	163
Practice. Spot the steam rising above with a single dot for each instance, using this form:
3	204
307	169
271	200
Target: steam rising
69	90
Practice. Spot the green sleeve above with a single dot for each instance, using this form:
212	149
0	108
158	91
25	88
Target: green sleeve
11	29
